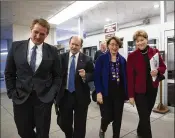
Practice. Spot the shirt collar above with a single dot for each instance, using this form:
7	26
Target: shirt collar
76	55
31	45
105	51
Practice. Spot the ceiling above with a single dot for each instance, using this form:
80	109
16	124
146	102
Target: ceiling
23	12
118	11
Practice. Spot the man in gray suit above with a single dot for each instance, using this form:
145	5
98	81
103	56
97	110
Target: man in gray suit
33	77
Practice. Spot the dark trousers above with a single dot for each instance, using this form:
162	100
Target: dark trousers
33	113
145	103
111	111
67	106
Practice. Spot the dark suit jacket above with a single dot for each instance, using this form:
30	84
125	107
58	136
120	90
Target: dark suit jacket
97	54
136	71
102	70
82	88
20	79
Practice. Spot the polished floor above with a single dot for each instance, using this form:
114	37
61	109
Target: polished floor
162	124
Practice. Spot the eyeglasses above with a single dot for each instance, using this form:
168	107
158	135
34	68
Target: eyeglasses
114	44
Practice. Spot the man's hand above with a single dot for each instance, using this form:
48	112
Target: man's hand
82	73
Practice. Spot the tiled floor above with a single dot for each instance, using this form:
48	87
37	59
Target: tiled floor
162	125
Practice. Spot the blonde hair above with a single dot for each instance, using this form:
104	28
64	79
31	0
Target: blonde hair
140	33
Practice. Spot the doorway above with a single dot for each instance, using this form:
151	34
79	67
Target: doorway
170	62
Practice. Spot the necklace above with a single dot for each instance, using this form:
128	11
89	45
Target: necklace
145	52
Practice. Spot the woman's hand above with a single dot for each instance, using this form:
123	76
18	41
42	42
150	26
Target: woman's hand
99	98
132	101
154	73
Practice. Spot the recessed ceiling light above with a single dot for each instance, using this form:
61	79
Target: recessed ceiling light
107	19
156	6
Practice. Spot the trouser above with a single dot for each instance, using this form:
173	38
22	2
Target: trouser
145	103
111	111
69	105
33	113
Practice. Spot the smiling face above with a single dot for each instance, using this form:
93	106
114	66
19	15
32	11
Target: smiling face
113	46
141	42
141	39
38	34
75	44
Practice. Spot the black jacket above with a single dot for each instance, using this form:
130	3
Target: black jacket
82	88
20	79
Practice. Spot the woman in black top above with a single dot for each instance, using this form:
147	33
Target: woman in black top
111	87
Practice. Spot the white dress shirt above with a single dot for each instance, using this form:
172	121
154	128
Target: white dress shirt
39	53
70	61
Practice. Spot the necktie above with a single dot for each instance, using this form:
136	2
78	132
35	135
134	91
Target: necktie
33	58
71	81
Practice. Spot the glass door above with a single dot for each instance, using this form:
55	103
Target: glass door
170	62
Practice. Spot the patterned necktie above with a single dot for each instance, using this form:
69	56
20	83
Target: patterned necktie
33	58
71	81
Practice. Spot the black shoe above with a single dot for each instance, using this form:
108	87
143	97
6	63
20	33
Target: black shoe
138	135
101	134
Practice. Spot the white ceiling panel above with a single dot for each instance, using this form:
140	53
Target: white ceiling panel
118	11
23	12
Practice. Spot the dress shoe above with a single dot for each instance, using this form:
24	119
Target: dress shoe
101	134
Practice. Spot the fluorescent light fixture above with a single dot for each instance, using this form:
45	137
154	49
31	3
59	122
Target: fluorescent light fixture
74	29
107	19
4	53
156	6
73	10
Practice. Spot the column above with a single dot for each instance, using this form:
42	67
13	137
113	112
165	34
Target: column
163	19
80	26
80	29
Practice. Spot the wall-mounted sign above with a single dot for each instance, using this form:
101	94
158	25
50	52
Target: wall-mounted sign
110	28
107	36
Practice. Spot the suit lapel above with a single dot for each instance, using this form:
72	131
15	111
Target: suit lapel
79	62
24	53
66	60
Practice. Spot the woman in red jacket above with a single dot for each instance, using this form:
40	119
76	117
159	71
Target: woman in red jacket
142	90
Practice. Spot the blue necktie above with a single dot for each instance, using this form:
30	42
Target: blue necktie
71	81
33	58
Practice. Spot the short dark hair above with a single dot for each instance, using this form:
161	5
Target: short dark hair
76	36
41	22
117	39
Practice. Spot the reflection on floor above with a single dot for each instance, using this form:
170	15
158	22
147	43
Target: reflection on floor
162	125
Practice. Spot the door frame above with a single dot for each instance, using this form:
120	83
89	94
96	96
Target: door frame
168	34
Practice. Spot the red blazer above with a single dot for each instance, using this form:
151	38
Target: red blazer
136	71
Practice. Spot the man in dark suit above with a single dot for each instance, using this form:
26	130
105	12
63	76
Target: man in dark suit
32	79
74	95
103	50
